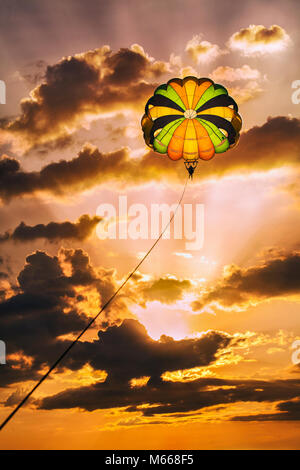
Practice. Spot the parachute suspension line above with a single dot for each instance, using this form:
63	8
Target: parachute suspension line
95	318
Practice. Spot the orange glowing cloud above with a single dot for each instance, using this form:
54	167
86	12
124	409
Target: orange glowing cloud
203	51
274	144
231	74
258	40
82	87
239	288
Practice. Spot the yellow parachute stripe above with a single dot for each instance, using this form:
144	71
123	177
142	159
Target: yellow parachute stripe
190	86
159	111
222	111
190	147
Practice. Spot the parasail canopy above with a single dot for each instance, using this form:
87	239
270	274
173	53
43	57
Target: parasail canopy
192	119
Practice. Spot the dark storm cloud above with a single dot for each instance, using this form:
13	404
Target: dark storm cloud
33	320
120	73
173	397
127	351
3	275
54	231
44	307
84	84
78	174
90	168
276	277
276	143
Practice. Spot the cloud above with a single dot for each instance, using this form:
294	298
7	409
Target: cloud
54	231
127	351
230	74
292	188
245	93
240	92
203	51
172	397
278	277
82	172
82	87
45	306
256	40
15	398
50	302
286	411
90	168
166	290
274	144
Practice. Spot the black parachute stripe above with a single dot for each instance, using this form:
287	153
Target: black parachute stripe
221	123
160	122
205	79
221	100
160	100
178	81
164	87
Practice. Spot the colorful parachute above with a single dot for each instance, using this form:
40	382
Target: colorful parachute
192	119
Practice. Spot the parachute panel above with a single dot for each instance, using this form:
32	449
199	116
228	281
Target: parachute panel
190	86
199	92
190	147
219	140
205	146
180	90
175	147
170	93
162	140
159	111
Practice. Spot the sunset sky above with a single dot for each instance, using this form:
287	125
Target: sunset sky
196	352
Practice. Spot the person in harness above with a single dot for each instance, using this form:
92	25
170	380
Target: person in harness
191	166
